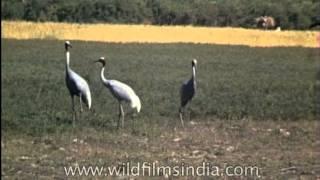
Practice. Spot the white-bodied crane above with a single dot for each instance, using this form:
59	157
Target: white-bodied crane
76	84
121	91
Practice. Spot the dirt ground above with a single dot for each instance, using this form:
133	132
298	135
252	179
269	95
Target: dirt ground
281	150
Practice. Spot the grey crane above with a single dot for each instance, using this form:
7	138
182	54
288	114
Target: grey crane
77	86
121	91
188	90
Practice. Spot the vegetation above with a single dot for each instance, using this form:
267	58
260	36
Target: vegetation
254	106
289	14
234	83
159	34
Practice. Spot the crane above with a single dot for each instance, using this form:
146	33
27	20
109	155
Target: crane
76	85
121	91
188	90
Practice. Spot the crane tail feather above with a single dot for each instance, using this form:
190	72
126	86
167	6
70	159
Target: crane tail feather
87	99
136	103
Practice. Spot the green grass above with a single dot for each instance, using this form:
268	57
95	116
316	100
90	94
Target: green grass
233	82
245	97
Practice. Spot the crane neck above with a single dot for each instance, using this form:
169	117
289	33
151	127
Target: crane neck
194	77
194	73
67	59
103	79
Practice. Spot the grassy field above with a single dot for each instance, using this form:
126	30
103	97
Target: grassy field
159	34
254	106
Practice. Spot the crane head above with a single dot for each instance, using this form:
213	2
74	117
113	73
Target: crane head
101	60
194	62
67	44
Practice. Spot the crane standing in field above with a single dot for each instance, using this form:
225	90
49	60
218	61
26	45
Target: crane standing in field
76	84
188	89
121	92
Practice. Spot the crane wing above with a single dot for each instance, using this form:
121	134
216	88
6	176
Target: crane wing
77	85
187	92
80	83
121	91
124	92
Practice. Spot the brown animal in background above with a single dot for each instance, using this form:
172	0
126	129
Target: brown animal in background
266	22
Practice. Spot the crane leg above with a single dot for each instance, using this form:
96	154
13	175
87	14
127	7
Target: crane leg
121	116
81	109
73	113
122	113
181	117
118	125
134	115
133	121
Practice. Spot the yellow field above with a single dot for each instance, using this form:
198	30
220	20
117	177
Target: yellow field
157	34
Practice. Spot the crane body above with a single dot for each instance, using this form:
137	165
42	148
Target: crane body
76	85
122	92
188	90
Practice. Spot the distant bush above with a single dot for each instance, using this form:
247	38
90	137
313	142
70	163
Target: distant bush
289	14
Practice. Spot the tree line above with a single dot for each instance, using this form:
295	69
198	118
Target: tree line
288	14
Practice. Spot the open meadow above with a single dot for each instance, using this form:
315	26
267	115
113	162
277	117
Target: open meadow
254	106
159	34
